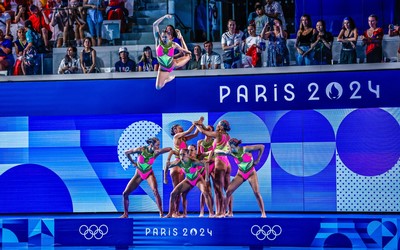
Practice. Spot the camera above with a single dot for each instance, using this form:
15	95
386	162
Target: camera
391	27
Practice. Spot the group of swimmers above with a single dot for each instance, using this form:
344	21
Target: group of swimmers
195	167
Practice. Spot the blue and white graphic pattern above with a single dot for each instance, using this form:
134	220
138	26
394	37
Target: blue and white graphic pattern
315	160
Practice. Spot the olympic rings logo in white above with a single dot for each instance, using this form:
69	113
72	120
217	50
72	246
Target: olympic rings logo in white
266	232
93	231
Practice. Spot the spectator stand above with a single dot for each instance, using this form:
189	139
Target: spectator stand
106	57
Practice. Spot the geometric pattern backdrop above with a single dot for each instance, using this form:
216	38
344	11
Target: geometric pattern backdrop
314	160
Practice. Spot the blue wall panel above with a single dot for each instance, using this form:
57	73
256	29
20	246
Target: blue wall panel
333	12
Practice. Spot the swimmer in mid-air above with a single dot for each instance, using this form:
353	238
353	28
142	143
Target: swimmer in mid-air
165	53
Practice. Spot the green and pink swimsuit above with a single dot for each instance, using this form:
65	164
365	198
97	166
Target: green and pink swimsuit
191	170
165	56
245	163
144	163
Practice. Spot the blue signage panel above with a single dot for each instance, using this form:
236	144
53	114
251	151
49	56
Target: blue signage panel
93	232
335	231
225	232
359	89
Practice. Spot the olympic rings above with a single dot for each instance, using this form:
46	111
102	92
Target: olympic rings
93	231
266	232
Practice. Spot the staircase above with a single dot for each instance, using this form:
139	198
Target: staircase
145	13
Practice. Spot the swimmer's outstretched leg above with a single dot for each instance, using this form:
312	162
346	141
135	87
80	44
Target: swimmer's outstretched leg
163	78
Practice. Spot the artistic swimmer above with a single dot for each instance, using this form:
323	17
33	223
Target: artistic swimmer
193	178
222	167
204	148
144	171
246	171
180	138
165	53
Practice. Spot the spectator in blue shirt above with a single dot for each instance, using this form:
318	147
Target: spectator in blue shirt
147	61
125	64
6	56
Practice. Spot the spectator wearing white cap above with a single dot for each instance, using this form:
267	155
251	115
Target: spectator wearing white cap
125	64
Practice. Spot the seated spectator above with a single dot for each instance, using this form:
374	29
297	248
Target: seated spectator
19	45
70	64
116	11
303	41
210	59
94	19
21	15
147	62
77	19
6	56
394	30
251	46
348	37
322	44
31	59
61	28
372	38
5	22
88	57
40	24
125	64
194	62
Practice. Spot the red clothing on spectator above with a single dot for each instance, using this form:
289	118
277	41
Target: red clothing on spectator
7	4
116	11
252	51
23	2
49	6
38	23
372	46
116	3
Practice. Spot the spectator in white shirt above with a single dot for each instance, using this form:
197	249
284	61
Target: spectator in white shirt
252	46
231	43
210	59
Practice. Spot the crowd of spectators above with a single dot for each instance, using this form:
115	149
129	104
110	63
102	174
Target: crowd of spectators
41	25
264	43
77	23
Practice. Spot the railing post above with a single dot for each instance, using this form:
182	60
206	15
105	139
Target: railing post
41	63
171	7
